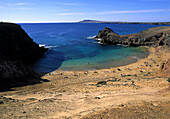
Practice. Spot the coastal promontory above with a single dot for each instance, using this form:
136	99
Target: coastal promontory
156	36
17	53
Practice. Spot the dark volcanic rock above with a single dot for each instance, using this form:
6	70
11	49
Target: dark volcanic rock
165	68
17	53
106	33
15	44
157	36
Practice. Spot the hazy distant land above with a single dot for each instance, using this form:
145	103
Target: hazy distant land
119	22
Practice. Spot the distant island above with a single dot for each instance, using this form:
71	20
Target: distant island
117	22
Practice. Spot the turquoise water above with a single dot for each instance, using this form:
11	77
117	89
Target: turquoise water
71	49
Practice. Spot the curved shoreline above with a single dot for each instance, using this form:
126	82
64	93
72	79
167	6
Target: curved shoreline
75	94
139	65
110	64
157	36
149	52
66	64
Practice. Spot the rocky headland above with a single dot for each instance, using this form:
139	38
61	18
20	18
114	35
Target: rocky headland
17	53
153	37
157	36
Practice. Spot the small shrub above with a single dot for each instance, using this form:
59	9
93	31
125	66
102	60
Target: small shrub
31	99
102	83
168	80
133	82
119	79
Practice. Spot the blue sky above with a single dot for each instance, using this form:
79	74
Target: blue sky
75	10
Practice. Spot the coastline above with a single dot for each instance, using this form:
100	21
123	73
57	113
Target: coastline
116	63
82	94
151	52
140	86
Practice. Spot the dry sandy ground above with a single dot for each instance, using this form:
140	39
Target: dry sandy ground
137	90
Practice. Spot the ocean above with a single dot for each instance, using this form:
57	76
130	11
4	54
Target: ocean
71	46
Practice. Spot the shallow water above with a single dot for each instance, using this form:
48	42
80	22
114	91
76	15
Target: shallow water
71	47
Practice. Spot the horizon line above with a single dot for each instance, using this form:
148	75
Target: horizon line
80	21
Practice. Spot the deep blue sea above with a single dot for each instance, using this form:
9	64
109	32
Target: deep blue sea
70	46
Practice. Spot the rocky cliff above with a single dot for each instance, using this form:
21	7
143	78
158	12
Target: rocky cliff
157	36
17	53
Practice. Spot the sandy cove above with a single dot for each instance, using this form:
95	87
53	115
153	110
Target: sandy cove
92	94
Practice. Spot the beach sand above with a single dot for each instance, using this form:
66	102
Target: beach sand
135	90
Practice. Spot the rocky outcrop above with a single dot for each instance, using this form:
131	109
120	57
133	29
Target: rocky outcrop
107	32
156	36
17	53
165	68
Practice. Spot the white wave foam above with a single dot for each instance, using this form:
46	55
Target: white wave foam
50	46
98	39
97	42
41	45
91	37
100	43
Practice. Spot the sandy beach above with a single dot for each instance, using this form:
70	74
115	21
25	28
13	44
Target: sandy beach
84	59
140	87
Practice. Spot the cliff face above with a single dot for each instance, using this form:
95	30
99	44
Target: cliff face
154	36
15	44
17	53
